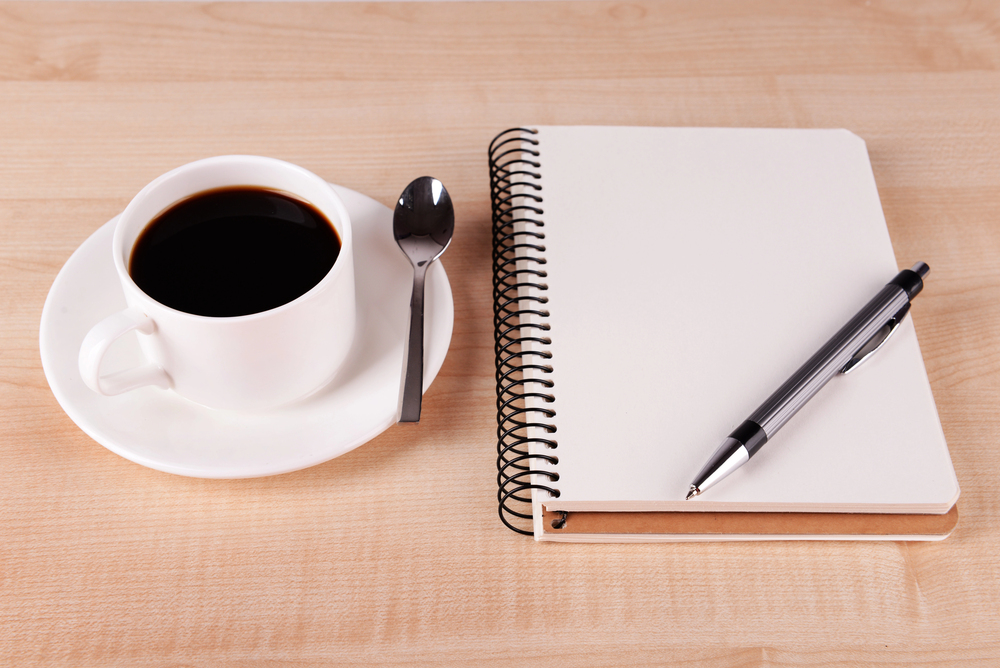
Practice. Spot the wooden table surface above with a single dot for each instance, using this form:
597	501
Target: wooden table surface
393	553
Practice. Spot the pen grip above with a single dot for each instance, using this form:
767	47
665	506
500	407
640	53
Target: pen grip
829	360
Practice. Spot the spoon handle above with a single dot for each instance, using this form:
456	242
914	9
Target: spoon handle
413	354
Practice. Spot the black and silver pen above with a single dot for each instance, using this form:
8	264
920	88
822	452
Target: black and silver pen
856	341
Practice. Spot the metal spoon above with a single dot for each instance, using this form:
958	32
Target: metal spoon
423	225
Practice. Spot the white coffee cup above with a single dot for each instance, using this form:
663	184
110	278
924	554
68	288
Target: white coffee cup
248	362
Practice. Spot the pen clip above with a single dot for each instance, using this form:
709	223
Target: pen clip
877	341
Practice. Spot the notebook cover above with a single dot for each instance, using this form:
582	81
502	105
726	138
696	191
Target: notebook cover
751	526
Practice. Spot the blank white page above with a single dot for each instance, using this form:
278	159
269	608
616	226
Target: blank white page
691	271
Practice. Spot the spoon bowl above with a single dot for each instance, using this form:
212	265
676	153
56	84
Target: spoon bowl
422	224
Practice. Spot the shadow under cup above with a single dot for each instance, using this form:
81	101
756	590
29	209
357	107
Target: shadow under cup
247	273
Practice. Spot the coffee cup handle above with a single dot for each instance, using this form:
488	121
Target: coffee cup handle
96	344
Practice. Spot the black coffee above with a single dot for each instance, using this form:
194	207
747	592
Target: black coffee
233	251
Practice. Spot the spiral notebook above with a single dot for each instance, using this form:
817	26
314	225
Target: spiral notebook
652	286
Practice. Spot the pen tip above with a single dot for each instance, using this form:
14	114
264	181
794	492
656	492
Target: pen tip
693	492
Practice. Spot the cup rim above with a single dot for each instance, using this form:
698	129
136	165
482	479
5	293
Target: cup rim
344	232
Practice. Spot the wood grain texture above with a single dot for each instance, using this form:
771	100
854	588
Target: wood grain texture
392	554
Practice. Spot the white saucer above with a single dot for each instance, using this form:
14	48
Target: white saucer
161	430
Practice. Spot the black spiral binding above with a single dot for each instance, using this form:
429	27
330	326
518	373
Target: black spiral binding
519	264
